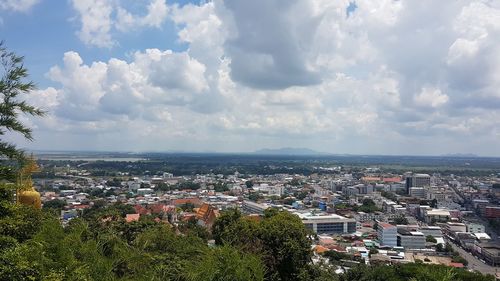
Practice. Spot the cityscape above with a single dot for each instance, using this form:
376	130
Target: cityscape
250	140
362	212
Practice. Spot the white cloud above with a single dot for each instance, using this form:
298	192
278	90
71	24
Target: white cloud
157	12
18	5
99	19
284	73
118	89
96	21
431	97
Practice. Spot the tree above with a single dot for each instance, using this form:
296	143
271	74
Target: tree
249	184
13	86
255	196
368	206
373	251
430	238
433	203
221	187
389	195
335	257
115	182
56	204
226	263
162	186
187	207
400	220
286	246
226	219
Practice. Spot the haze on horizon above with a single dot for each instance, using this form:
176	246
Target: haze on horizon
359	77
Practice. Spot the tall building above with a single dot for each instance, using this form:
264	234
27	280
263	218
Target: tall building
387	234
417	180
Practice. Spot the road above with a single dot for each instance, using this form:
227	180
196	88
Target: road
475	263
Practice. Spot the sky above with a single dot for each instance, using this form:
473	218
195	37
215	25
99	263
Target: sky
395	77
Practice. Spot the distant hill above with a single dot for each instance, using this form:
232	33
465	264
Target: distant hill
288	151
466	155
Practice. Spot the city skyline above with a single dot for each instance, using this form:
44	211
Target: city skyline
348	77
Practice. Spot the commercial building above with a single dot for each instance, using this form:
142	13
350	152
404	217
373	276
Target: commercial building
417	192
417	180
250	207
490	253
492	212
327	223
387	234
411	239
434	231
437	215
475	227
454	227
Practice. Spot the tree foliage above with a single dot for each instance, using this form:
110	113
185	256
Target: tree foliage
13	86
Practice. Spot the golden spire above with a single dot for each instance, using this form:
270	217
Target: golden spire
26	193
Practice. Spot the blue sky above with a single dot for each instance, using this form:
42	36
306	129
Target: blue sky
361	77
47	29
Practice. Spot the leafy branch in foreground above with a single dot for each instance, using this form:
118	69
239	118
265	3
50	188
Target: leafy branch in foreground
13	86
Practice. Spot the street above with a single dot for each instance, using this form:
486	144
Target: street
475	263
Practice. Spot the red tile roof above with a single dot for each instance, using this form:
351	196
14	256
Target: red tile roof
132	217
393	179
456	264
141	210
195	201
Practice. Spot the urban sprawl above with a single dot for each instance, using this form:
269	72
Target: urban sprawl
372	216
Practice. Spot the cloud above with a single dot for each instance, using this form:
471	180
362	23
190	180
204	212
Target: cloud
272	52
157	12
96	22
18	5
379	78
117	89
99	19
431	97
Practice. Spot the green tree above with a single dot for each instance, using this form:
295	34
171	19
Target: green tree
226	219
187	207
400	220
226	264
368	206
13	86
286	246
56	204
255	196
249	184
430	238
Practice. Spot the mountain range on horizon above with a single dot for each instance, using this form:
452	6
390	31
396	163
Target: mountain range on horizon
288	151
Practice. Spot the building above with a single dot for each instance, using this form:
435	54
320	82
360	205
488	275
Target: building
277	190
250	207
387	234
410	239
327	223
207	215
434	231
454	227
363	217
417	180
467	240
492	212
417	192
490	253
475	227
437	215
